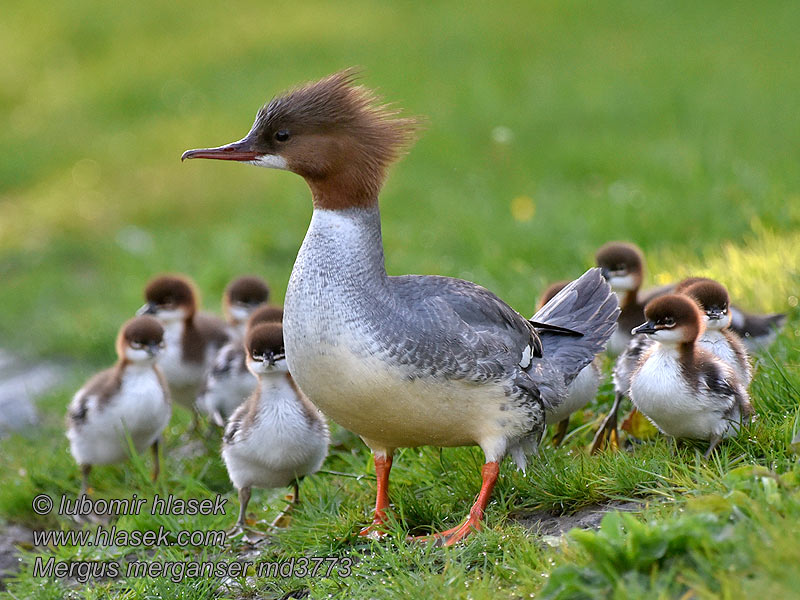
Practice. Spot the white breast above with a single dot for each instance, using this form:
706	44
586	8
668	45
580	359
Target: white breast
184	378
140	410
280	446
662	394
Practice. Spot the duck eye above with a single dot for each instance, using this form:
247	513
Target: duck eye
282	135
669	321
136	345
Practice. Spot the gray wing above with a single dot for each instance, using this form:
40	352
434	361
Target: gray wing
586	305
460	330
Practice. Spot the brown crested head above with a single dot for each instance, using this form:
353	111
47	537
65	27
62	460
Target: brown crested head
265	314
710	295
336	134
169	293
618	260
672	318
140	333
550	292
264	342
244	293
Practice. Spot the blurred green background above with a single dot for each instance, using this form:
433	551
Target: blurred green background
552	127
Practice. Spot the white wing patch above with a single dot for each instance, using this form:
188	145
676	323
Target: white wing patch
527	355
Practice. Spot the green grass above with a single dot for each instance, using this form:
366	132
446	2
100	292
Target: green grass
671	125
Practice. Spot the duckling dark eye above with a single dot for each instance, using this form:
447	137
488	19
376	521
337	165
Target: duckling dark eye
137	345
668	321
282	135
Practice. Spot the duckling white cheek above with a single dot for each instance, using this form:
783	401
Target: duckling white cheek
623	283
138	355
667	336
171	315
239	313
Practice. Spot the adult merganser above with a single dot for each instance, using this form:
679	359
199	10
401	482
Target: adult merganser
277	436
580	392
131	398
229	382
412	360
192	338
686	391
241	297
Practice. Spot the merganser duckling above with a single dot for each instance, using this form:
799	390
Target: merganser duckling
413	360
229	382
686	391
623	266
241	297
131	398
192	338
714	302
712	299
277	436
580	392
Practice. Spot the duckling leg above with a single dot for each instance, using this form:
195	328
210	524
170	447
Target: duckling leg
296	490
156	462
474	521
383	465
244	500
608	435
85	470
712	446
561	432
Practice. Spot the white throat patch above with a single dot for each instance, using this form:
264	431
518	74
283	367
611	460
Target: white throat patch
270	161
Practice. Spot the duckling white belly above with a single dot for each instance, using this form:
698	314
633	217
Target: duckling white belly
660	391
280	447
184	378
139	410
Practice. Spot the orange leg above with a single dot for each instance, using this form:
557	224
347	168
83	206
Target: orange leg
383	464
475	518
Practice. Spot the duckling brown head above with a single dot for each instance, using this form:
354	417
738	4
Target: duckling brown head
170	298
265	314
265	349
139	340
712	298
242	296
672	319
622	264
334	133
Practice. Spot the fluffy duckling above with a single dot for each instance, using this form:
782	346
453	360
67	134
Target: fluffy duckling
686	391
582	389
129	398
277	436
192	338
717	337
242	296
229	382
